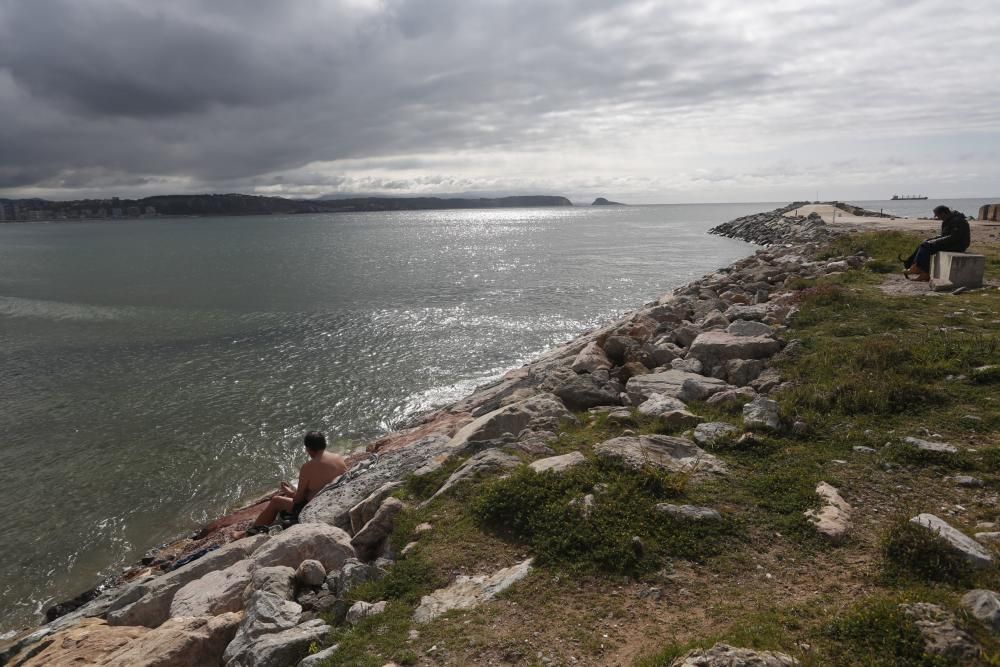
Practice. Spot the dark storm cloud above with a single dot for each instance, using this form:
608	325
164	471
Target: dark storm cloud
213	94
226	90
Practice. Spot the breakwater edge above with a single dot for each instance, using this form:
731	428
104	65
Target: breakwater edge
710	342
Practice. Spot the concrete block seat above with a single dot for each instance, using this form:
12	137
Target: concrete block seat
951	270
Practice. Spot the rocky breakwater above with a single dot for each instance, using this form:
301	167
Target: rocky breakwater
775	227
264	600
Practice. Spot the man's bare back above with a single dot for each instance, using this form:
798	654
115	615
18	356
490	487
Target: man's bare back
317	473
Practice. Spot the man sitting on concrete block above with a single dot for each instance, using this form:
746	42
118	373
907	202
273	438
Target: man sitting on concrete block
954	237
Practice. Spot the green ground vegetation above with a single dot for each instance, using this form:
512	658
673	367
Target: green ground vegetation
621	583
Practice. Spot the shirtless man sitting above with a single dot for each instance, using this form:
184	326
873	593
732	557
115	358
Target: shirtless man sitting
322	468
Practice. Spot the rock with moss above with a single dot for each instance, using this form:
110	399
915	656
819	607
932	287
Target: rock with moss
941	634
468	592
484	463
762	413
963	545
984	605
659	451
724	655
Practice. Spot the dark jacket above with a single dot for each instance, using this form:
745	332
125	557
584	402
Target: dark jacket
954	234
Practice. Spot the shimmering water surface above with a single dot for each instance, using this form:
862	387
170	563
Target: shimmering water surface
154	373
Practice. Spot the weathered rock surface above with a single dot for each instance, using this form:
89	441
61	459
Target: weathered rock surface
363	512
487	462
749	328
362	610
586	391
964	545
90	642
762	413
928	446
215	593
940	632
558	464
318	659
732	399
724	655
660	451
833	519
310	573
591	358
179	642
674	384
984	605
711	432
278	580
281	648
541	412
370	541
690	512
304	541
148	604
265	614
467	592
353	572
741	372
713	348
657	405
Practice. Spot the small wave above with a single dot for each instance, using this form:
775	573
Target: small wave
12	306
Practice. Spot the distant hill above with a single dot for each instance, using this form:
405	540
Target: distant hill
238	204
601	201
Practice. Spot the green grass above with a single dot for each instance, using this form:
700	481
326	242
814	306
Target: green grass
913	554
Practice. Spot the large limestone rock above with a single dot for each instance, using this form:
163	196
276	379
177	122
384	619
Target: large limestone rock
486	462
941	634
713	348
180	642
964	545
353	573
590	359
90	642
265	614
657	405
762	413
755	313
317	541
712	432
278	580
361	610
581	392
282	648
369	543
215	593
833	519
558	464
363	512
749	328
732	399
688	512
148	604
333	504
540	412
929	446
674	384
724	655
467	592
984	605
660	451
741	372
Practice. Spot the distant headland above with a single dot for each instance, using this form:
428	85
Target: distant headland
601	201
28	210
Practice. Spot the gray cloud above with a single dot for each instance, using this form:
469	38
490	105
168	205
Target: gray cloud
315	96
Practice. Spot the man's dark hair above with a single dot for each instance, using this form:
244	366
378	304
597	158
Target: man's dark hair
941	210
315	440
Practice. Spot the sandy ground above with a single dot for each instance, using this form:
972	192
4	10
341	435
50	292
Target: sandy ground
982	231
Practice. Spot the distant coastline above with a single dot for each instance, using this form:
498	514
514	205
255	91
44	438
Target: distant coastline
41	210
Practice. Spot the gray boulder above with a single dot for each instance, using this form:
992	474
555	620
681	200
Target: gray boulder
468	592
762	413
711	432
148	604
558	464
363	512
591	358
362	610
657	405
928	446
741	372
833	519
310	573
317	541
540	412
484	463
755	313
585	391
660	451
278	580
672	384
265	614
749	328
984	605
687	365
724	655
689	512
353	572
318	659
941	634
213	594
732	399
281	648
369	543
685	334
713	348
965	546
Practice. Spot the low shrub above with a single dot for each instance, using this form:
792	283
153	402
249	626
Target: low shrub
911	553
877	633
546	511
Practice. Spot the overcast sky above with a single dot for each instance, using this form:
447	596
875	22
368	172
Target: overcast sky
646	102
